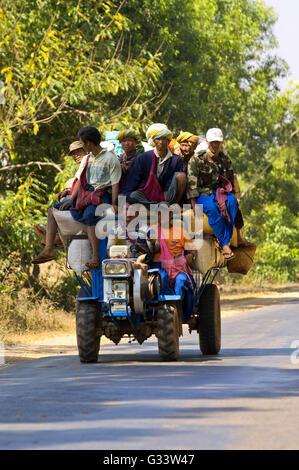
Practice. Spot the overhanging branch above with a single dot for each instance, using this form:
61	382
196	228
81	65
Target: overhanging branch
22	165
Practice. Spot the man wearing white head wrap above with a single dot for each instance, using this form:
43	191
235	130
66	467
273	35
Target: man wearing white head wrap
156	131
158	174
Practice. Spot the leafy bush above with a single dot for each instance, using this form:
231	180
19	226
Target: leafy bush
19	211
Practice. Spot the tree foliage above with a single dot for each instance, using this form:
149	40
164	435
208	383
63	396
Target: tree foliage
218	66
272	206
115	63
62	64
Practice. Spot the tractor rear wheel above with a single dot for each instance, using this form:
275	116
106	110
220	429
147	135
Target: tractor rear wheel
209	321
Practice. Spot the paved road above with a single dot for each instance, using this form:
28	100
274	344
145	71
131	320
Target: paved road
247	397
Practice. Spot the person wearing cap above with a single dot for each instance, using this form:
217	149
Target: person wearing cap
77	152
158	174
210	183
132	148
188	143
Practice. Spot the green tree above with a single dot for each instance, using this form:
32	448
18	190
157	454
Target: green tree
115	63
62	64
271	204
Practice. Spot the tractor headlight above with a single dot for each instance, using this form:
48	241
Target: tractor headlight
116	268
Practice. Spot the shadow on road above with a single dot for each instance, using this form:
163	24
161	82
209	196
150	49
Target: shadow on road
125	397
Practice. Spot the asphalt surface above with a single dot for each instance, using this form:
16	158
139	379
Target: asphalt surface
246	397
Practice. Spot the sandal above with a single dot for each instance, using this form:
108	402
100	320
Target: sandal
42	259
229	256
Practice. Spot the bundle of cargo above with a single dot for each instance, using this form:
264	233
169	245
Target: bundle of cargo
209	253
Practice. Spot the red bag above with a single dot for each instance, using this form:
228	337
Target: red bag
152	190
86	198
221	197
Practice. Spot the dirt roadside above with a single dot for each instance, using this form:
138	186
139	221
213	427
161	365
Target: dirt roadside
233	301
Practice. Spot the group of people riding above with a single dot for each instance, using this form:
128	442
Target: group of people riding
175	171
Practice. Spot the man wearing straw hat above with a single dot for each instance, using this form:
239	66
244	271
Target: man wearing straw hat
188	143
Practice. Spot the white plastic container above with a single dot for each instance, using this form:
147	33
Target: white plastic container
67	225
79	253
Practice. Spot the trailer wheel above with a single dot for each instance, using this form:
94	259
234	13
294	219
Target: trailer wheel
209	325
168	333
87	329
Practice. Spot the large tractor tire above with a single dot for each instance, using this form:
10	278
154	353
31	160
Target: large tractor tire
168	333
87	328
209	320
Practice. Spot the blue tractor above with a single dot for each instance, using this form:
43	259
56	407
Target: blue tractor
119	301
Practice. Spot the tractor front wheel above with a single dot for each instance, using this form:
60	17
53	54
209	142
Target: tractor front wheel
168	333
87	328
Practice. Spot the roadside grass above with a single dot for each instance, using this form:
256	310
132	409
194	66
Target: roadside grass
24	315
45	308
258	289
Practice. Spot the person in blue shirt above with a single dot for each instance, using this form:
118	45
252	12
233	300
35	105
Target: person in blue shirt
158	174
132	147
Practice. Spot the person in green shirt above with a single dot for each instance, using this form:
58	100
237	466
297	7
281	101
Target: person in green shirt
210	183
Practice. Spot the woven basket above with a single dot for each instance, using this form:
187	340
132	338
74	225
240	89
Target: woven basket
243	259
